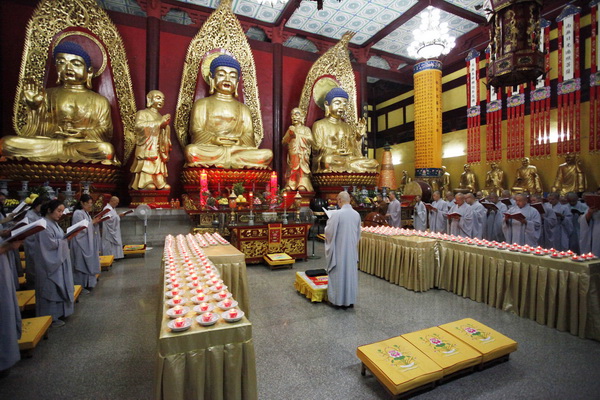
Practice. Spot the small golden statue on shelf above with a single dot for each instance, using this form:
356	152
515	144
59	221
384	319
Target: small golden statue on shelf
338	144
299	140
404	180
570	176
153	144
66	123
527	179
494	180
467	182
445	181
221	130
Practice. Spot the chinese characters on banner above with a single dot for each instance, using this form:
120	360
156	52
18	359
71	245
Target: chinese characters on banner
569	82
473	109
595	79
428	118
494	122
515	123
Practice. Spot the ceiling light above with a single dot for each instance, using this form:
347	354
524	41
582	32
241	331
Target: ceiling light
431	37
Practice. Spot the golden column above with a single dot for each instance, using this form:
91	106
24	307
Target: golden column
428	119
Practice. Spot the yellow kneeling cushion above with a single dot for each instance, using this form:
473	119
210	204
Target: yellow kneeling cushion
33	331
399	365
485	340
447	351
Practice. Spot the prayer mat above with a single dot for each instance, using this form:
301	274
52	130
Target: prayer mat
399	365
485	340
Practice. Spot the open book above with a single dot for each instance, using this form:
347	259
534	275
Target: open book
27	230
329	213
489	205
507	201
102	213
76	228
429	207
454	215
125	213
516	215
19	224
106	217
539	207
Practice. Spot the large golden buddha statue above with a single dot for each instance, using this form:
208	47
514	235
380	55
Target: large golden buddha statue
494	179
221	130
337	143
69	122
467	182
527	179
569	177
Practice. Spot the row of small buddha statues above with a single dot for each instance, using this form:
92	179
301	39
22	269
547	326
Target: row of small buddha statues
569	178
71	123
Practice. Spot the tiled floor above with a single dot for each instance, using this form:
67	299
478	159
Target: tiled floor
303	351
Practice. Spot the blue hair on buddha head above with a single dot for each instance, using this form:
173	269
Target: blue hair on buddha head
335	92
224	60
67	47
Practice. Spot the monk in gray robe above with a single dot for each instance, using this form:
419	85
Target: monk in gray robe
460	217
437	215
54	274
479	215
577	209
112	244
550	226
589	231
419	215
10	316
30	245
494	219
522	230
84	247
342	234
565	222
394	211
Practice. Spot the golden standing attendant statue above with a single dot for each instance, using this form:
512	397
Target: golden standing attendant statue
337	143
299	140
65	123
221	129
528	179
494	180
153	144
467	182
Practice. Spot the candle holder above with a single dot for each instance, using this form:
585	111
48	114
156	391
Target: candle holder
232	205
251	216
297	203
284	220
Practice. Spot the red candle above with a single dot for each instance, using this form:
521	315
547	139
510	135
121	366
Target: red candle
175	292
176	300
200	297
207	317
273	185
227	303
178	310
223	294
179	322
203	306
233	313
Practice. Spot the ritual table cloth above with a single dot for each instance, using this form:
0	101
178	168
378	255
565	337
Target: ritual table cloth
315	292
559	293
408	261
232	266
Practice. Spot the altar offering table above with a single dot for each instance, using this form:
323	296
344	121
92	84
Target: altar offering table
253	241
209	362
407	261
560	293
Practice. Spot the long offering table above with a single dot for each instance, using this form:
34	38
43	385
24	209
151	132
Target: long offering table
205	362
560	293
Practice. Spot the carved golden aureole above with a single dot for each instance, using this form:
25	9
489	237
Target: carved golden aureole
220	34
527	179
338	140
299	140
81	20
153	144
570	176
494	180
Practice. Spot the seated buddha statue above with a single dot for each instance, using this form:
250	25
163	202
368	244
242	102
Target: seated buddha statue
337	143
527	179
66	123
570	176
467	182
221	130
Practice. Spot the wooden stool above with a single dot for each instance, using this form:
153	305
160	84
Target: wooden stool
279	260
30	305
106	262
77	292
134	249
24	297
33	331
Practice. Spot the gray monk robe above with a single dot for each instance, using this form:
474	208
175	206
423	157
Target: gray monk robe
464	225
589	232
342	234
112	244
479	219
550	227
493	223
54	275
437	220
526	233
84	250
30	247
565	226
10	316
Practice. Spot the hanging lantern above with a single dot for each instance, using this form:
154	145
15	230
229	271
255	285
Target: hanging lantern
514	39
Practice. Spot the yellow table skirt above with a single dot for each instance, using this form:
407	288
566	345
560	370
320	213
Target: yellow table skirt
561	294
306	287
403	260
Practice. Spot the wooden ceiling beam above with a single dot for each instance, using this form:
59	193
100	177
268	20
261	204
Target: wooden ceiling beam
287	12
395	24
